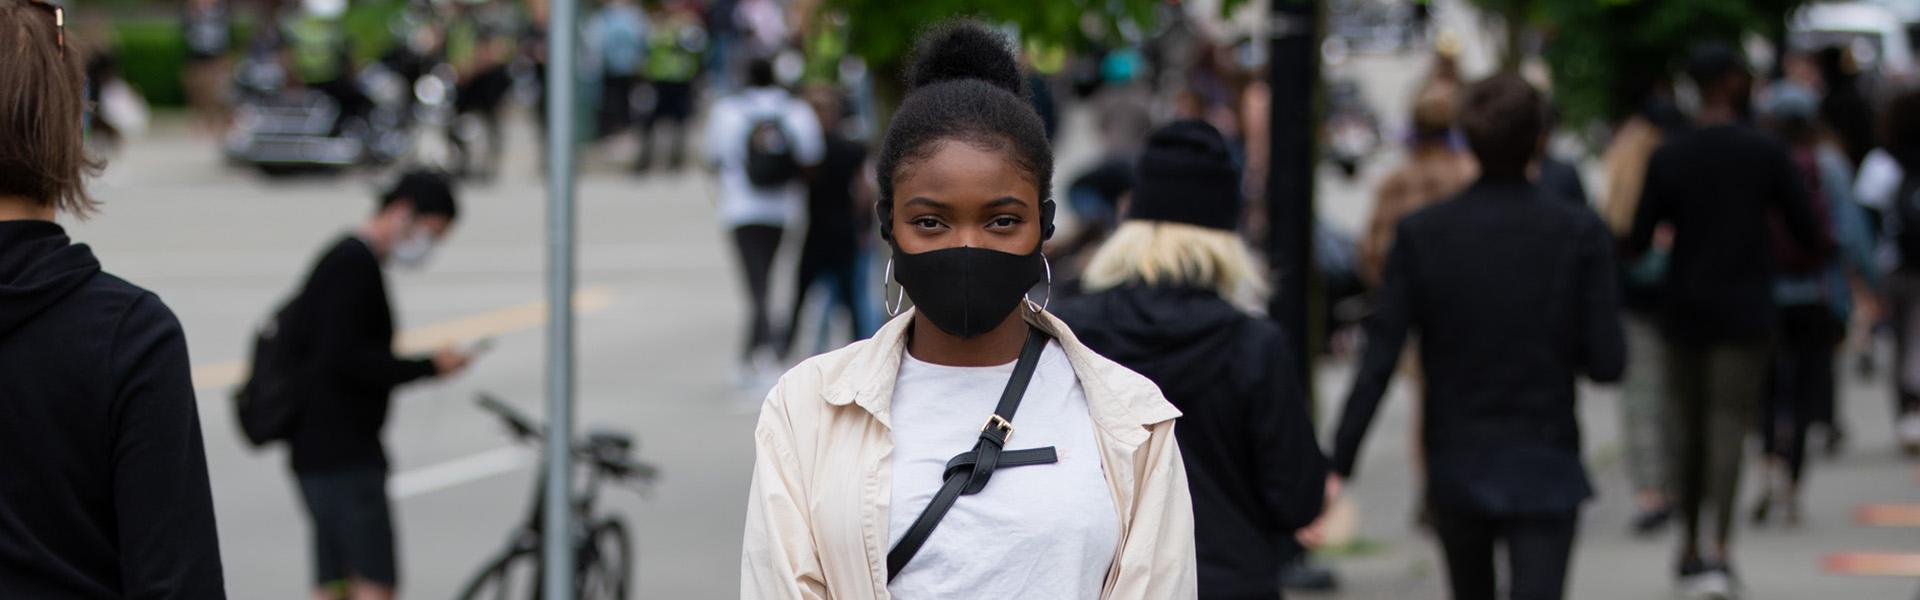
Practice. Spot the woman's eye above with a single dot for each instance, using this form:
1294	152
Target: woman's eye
926	223
1004	222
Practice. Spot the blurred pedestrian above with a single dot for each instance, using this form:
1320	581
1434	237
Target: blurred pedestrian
673	61
855	449
1894	183
343	323
1643	391
1719	189
1845	108
103	488
1511	293
618	31
1814	297
206	28
760	141
837	194
1435	169
1162	303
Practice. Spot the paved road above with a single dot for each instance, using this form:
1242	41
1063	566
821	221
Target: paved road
661	325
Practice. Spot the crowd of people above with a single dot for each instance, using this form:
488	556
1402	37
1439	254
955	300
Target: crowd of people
1166	446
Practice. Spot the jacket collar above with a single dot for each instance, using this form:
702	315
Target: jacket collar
1122	402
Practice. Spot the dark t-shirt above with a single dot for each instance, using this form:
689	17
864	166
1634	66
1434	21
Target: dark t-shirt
833	224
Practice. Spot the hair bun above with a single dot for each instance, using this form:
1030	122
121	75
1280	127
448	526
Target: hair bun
965	49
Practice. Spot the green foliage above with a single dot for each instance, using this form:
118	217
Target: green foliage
152	57
882	31
1604	53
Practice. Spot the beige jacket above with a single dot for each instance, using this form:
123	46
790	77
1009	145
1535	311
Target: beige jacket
817	514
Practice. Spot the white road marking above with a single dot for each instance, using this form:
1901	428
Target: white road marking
491	463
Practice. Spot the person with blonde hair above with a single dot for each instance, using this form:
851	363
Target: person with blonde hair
1163	304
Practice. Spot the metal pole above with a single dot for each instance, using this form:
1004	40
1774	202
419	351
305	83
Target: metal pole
557	527
1293	76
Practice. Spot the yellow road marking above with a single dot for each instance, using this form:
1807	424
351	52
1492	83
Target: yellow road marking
427	338
1888	515
1875	564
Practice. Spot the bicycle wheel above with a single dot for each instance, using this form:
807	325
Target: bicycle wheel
605	561
514	575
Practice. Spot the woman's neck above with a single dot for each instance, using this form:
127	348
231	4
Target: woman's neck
20	208
998	346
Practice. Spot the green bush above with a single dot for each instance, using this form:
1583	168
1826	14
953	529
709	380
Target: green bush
153	55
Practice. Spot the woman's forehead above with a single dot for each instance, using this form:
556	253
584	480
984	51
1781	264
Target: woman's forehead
957	171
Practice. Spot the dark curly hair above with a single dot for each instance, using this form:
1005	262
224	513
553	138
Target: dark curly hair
964	85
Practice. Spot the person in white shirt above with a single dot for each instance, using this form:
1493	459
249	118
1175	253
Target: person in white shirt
760	141
873	474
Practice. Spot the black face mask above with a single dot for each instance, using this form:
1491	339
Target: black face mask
967	291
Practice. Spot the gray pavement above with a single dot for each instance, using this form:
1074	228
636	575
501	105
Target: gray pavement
222	246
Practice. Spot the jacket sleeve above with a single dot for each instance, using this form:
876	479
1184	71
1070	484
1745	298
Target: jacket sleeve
162	502
1157	558
1291	469
1603	341
1791	199
778	559
339	298
1386	335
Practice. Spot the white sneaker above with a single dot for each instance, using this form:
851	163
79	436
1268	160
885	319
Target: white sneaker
1907	431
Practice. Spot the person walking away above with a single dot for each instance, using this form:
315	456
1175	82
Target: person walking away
1893	182
1719	189
1643	390
1845	107
1814	299
345	328
857	491
206	28
1162	303
1512	294
103	488
830	254
673	61
619	31
759	141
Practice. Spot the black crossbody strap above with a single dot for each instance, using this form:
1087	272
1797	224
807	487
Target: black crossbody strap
968	473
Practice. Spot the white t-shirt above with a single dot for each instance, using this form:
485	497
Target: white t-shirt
1042	531
728	123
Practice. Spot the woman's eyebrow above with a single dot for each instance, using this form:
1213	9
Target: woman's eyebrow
929	202
1007	201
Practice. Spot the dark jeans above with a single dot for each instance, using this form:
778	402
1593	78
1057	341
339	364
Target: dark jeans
1715	391
1802	391
673	102
616	103
841	275
757	245
1538	548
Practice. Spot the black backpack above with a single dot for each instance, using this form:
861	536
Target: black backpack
770	160
268	403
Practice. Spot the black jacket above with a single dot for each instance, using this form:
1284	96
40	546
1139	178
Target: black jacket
1512	294
103	475
1724	189
1253	466
345	324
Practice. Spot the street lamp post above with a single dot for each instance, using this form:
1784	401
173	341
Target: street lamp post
1293	76
557	528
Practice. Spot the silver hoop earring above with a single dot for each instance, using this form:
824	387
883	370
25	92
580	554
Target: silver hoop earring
900	297
1039	307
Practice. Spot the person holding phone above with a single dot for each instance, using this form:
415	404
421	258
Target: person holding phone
344	321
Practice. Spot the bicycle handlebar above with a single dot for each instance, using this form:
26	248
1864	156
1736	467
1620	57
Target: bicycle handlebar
524	428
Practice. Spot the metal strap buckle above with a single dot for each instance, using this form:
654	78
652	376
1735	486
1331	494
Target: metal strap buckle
1002	423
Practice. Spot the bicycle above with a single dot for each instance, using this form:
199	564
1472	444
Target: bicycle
602	549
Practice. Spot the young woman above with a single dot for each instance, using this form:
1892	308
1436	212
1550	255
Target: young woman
874	474
103	493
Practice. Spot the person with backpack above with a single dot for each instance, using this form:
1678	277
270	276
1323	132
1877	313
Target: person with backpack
1725	192
760	141
1891	180
974	447
342	324
1814	298
103	472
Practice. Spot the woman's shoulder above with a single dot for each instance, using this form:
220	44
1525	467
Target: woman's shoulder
808	384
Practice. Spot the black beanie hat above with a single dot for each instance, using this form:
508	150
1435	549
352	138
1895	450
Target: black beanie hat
1187	175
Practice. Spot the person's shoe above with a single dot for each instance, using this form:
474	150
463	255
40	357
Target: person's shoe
1650	521
1705	580
1907	429
1302	575
1836	440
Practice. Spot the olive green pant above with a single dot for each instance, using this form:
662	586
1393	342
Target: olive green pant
1715	389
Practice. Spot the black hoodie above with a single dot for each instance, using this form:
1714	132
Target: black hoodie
1254	467
103	476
